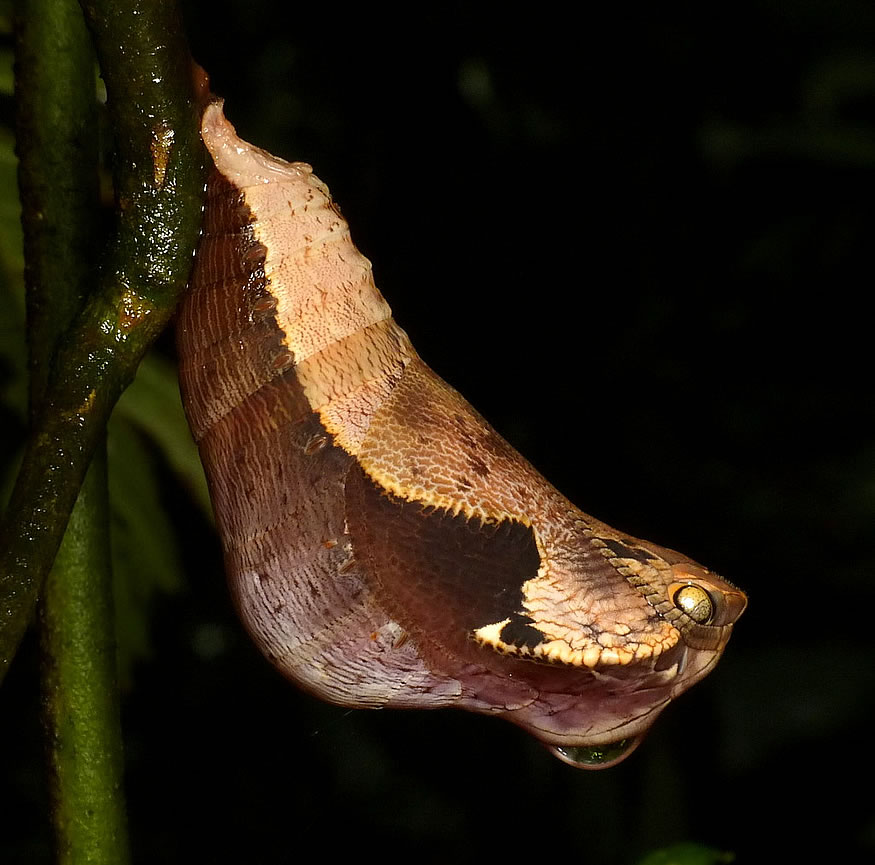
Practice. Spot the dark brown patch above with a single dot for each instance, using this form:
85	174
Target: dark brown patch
625	552
228	339
478	465
437	573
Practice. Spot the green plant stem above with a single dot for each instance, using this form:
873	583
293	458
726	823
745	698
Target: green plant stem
154	111
80	699
57	123
56	127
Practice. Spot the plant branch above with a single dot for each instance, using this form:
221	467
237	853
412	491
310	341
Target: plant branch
80	699
57	128
159	186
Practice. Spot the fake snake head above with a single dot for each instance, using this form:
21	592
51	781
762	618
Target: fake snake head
384	545
633	651
542	614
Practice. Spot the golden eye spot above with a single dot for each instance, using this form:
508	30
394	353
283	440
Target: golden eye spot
696	603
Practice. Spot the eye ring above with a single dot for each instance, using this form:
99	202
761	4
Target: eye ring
696	603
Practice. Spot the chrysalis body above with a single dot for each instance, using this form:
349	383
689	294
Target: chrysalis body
384	545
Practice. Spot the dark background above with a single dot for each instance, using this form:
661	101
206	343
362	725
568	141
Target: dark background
639	241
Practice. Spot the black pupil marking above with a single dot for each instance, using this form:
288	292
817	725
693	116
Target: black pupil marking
519	631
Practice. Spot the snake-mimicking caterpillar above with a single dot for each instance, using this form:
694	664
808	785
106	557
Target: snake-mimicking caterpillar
384	545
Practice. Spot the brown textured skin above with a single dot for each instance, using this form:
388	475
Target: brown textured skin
384	545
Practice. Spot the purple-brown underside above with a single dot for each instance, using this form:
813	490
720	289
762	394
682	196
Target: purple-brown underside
277	483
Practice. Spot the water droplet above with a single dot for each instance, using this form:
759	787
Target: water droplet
596	756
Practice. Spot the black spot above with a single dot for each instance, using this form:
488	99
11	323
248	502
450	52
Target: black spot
624	552
519	632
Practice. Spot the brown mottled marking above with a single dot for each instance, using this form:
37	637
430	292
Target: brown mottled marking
161	146
384	545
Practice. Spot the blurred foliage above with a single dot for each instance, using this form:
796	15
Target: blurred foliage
687	854
647	244
148	436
